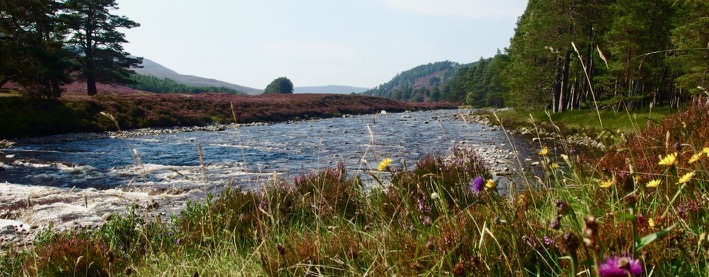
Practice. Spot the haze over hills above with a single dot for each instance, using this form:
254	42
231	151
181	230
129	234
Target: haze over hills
155	69
329	89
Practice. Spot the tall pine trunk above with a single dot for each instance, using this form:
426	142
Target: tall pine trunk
91	84
564	86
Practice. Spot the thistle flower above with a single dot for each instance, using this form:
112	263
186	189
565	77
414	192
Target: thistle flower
616	266
544	151
653	183
696	157
476	186
384	164
685	178
669	160
490	184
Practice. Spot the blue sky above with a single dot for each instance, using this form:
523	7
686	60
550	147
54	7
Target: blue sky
315	42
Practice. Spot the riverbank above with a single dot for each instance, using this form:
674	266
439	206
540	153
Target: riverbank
579	129
122	109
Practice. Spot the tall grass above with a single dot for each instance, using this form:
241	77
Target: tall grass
440	217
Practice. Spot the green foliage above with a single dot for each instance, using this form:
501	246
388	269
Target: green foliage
420	83
480	82
279	85
689	37
32	52
607	54
165	85
95	34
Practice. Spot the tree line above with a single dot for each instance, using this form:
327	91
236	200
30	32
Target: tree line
567	55
45	44
166	85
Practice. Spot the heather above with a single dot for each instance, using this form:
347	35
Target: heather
27	117
638	210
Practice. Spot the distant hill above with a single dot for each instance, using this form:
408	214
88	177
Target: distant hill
428	82
158	70
331	89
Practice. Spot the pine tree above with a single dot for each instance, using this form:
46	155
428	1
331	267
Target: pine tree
691	39
95	34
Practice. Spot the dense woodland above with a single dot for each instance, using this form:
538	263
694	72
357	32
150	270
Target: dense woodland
568	55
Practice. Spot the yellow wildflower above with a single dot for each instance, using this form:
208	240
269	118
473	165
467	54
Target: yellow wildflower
607	183
653	183
685	178
651	223
669	160
490	184
554	166
544	151
384	164
706	150
695	157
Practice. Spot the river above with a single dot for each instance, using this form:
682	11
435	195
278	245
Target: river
245	155
80	180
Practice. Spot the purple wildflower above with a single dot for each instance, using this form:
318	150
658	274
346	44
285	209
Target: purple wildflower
620	266
555	224
549	242
476	186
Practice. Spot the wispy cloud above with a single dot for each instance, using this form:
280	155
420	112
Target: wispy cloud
309	50
474	9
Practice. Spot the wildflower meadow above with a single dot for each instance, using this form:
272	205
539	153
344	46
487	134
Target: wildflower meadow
640	209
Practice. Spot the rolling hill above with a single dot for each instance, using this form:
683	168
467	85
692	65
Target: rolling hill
155	69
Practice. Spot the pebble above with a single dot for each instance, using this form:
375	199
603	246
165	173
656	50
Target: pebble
106	216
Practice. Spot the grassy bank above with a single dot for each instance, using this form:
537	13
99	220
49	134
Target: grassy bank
24	117
580	122
641	209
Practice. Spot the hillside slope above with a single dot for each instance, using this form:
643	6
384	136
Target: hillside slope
155	69
428	82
